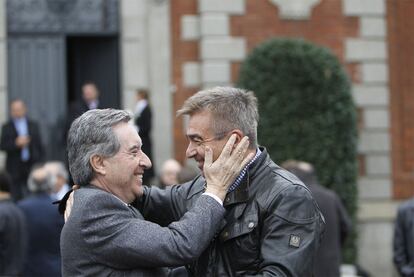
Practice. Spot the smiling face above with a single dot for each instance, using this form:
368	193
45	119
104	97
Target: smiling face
200	134
124	170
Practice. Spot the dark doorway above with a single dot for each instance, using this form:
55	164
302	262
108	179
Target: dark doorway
94	59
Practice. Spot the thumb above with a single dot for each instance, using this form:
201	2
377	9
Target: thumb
208	157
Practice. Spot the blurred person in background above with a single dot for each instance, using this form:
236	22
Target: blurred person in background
404	239
143	122
338	222
44	224
169	173
60	179
89	101
21	140
13	233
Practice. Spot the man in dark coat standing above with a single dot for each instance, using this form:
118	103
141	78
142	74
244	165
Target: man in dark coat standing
89	101
143	122
44	224
338	223
20	138
403	245
13	234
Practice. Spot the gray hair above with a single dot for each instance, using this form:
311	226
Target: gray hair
231	108
59	169
39	180
89	135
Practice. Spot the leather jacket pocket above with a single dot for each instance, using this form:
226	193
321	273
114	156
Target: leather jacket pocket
240	240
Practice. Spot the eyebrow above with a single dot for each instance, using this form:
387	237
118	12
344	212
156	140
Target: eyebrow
194	136
134	147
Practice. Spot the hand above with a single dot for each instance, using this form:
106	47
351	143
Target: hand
222	173
69	203
22	141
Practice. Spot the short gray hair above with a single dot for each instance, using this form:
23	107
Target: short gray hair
231	108
59	169
92	134
39	180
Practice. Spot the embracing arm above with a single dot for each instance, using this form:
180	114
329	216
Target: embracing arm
120	241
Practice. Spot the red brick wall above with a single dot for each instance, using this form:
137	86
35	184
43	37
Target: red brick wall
401	45
182	51
327	26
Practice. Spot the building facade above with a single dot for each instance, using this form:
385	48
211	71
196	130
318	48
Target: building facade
175	48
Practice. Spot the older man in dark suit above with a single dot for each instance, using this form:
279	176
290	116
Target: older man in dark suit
104	235
44	224
20	138
338	222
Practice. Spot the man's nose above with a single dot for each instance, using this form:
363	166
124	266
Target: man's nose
191	151
145	162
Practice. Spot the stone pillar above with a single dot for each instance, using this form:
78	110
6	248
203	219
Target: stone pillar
145	45
371	96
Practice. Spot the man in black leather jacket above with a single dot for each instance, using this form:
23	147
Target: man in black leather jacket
404	239
272	226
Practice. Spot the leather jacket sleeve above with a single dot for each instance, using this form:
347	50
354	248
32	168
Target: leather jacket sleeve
401	260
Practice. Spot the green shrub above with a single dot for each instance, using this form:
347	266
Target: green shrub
306	113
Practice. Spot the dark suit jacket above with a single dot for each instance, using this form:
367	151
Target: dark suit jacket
144	123
338	226
7	143
105	237
44	224
13	238
404	239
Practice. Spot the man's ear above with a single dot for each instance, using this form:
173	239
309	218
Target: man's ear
239	135
97	164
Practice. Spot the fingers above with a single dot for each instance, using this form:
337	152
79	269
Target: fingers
69	204
227	150
208	157
241	148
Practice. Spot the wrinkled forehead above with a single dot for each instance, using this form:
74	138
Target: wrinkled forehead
200	123
127	135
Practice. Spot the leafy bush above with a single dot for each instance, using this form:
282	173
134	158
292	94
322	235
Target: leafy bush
306	113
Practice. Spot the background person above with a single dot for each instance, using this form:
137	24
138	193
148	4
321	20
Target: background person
20	138
44	224
338	222
403	245
13	233
169	173
60	179
143	122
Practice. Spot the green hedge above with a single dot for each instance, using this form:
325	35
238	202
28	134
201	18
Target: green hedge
306	113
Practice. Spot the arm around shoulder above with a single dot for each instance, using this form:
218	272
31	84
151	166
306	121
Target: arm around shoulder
120	240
